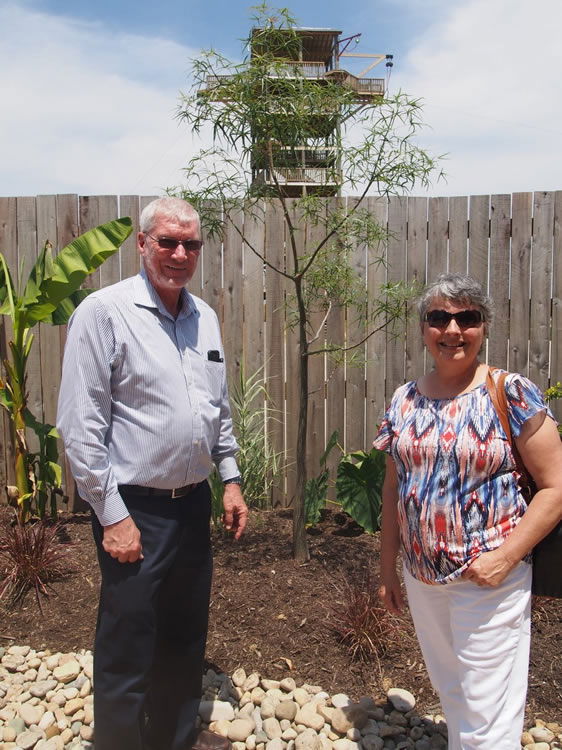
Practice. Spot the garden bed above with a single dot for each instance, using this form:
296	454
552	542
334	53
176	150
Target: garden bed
273	616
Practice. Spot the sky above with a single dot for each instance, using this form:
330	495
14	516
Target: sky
89	90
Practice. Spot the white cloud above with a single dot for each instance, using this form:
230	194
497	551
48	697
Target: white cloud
489	72
87	108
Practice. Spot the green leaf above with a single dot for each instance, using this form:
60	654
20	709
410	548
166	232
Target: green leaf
359	487
59	280
7	292
332	442
315	497
66	307
55	473
5	399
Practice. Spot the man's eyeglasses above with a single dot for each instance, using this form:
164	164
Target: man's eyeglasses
170	243
464	318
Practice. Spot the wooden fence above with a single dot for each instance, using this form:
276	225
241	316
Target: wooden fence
512	243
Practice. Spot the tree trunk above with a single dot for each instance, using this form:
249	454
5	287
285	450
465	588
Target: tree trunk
300	544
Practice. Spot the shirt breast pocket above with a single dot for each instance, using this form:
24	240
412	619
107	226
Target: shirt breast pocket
215	379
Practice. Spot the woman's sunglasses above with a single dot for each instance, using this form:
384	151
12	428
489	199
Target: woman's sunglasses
464	318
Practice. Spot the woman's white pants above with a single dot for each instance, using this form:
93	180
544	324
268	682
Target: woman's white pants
475	642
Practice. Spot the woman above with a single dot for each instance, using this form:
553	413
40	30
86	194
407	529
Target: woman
451	503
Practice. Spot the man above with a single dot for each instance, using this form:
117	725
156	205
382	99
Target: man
143	411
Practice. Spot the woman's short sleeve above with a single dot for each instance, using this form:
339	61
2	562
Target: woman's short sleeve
524	400
385	435
390	424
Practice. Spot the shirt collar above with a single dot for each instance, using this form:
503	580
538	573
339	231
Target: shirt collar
145	295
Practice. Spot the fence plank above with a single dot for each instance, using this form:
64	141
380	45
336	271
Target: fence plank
210	274
232	320
108	210
519	311
356	328
500	231
275	339
89	217
130	256
458	234
478	236
541	270
375	386
253	297
8	247
67	208
50	345
556	333
336	386
415	271
437	235
27	244
396	271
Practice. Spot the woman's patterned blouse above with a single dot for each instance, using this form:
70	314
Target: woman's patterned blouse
457	482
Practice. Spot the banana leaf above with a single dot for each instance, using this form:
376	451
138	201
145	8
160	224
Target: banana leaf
53	280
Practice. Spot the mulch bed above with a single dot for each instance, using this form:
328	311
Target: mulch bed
274	616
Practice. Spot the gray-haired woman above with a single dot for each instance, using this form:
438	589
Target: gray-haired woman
452	504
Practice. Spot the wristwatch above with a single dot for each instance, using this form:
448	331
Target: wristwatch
233	480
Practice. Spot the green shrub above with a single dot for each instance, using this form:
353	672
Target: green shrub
260	465
31	556
359	487
359	620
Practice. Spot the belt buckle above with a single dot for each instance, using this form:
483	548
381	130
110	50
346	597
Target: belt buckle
175	491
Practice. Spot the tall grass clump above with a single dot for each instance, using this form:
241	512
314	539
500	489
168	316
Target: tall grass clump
32	556
360	622
259	464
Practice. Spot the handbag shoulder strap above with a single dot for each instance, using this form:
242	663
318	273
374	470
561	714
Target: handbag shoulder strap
499	399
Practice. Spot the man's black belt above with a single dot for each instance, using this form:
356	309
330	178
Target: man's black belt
137	489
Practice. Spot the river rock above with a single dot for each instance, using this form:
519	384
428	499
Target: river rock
348	717
286	710
402	700
308	716
67	671
215	710
240	729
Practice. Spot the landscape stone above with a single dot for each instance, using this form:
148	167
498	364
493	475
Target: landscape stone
39	711
239	729
286	710
272	728
372	742
67	671
541	734
402	700
215	710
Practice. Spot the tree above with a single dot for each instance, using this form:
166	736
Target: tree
50	295
264	113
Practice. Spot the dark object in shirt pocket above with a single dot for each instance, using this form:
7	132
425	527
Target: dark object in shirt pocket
213	355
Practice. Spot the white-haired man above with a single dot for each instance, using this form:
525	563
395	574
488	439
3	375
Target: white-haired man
144	414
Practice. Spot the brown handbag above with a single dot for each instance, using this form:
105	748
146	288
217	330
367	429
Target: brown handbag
547	554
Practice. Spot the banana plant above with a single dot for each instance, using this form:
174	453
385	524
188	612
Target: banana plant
50	295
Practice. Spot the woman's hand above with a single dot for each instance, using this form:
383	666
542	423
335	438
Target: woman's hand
489	569
390	593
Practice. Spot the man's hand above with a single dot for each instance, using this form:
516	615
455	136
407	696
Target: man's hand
235	515
489	569
122	540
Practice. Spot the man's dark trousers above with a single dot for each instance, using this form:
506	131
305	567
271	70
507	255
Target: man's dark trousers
152	626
